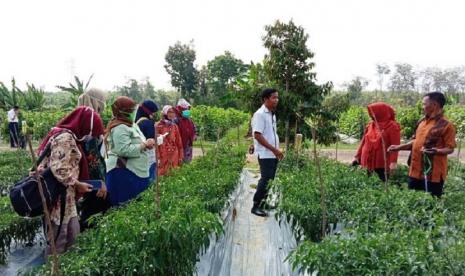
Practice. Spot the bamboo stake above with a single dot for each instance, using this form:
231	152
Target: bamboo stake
218	132
337	137
298	146
322	186
51	232
157	180
238	135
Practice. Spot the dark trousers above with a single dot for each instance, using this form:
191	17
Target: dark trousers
434	188
267	172
14	134
89	206
381	174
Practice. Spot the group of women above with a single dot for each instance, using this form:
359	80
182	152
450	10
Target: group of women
106	167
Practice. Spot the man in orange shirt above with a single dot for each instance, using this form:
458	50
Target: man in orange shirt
434	139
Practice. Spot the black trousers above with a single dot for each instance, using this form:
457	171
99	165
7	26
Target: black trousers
14	134
434	188
267	171
89	206
381	174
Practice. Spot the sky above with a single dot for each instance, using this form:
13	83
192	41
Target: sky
46	42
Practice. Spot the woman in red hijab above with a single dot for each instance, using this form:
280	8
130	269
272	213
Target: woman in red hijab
186	128
68	165
382	128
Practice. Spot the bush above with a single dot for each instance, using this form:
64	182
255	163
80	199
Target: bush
408	118
378	232
214	121
353	122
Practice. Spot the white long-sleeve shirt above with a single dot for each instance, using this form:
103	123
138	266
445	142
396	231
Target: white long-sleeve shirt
12	117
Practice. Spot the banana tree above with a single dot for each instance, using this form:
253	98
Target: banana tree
34	98
10	98
75	89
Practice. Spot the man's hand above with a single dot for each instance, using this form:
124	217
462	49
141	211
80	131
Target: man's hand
430	151
251	149
393	148
279	154
355	162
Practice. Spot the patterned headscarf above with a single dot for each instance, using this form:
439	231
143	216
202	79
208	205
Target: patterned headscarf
82	121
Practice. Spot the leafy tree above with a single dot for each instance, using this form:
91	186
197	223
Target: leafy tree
222	73
403	78
76	89
288	64
202	96
180	65
249	86
355	87
131	89
382	70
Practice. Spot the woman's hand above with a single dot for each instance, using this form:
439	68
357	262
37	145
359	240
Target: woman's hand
392	168
82	187
102	192
150	143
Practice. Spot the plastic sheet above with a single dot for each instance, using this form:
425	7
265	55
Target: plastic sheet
23	258
250	245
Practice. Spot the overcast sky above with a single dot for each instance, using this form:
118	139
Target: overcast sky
45	42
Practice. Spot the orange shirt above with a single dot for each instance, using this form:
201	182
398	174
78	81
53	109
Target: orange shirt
439	171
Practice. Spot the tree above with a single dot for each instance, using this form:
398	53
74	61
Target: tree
34	98
382	70
76	90
180	65
334	106
131	89
403	78
355	87
202	96
222	73
248	87
288	64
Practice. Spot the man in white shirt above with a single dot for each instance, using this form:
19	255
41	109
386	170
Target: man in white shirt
266	143
13	126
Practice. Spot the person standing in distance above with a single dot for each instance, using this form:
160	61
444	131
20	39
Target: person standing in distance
266	143
13	126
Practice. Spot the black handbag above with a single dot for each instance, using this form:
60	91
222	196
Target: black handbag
25	196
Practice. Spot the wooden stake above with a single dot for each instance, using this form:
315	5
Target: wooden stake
50	233
157	180
322	186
